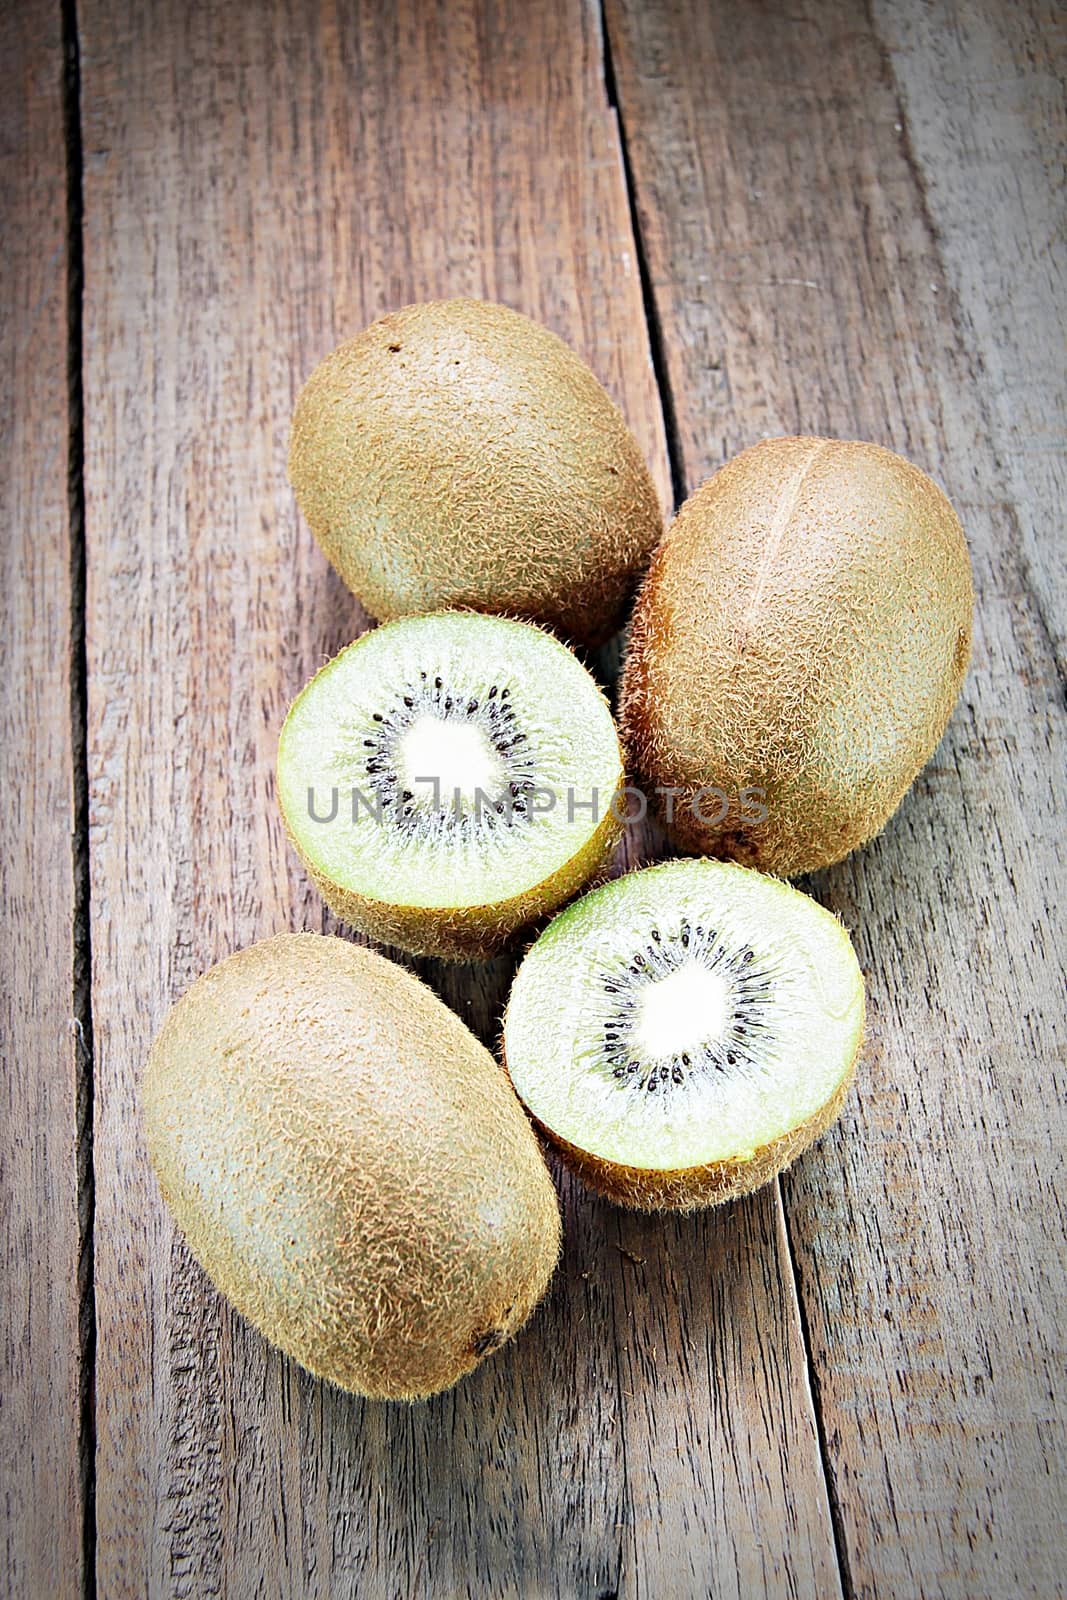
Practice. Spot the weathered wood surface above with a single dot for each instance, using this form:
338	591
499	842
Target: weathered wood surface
833	248
41	1500
850	223
258	182
982	92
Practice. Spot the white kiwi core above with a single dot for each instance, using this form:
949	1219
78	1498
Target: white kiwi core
683	1015
445	759
680	1012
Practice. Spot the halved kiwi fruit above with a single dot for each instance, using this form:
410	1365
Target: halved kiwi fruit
447	779
684	1032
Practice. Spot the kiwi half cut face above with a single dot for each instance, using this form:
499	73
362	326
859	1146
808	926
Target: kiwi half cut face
684	1032
447	779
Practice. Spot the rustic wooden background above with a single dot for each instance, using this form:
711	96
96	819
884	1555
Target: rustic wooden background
750	219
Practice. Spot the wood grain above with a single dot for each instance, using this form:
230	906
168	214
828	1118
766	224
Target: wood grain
982	89
42	1503
259	181
815	270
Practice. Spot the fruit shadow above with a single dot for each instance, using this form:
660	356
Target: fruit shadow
605	664
624	1392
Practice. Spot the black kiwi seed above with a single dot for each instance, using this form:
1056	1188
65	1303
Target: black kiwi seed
677	1075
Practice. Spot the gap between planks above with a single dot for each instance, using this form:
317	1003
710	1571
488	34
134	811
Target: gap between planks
656	341
81	951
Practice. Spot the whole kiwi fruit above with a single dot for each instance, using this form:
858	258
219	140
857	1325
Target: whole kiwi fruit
456	454
349	1165
803	632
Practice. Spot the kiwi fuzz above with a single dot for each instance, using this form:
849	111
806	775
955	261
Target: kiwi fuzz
349	1165
801	637
455	454
483	769
683	1033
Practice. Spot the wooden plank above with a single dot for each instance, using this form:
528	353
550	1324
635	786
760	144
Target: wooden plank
259	181
982	86
41	1445
801	283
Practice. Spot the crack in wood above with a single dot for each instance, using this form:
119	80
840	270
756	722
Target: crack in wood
81	975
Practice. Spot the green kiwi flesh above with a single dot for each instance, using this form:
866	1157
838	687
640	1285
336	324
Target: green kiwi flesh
683	1032
448	779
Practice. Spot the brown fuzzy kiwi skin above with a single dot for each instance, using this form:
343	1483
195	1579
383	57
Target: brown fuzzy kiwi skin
804	629
349	1165
456	454
697	1188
